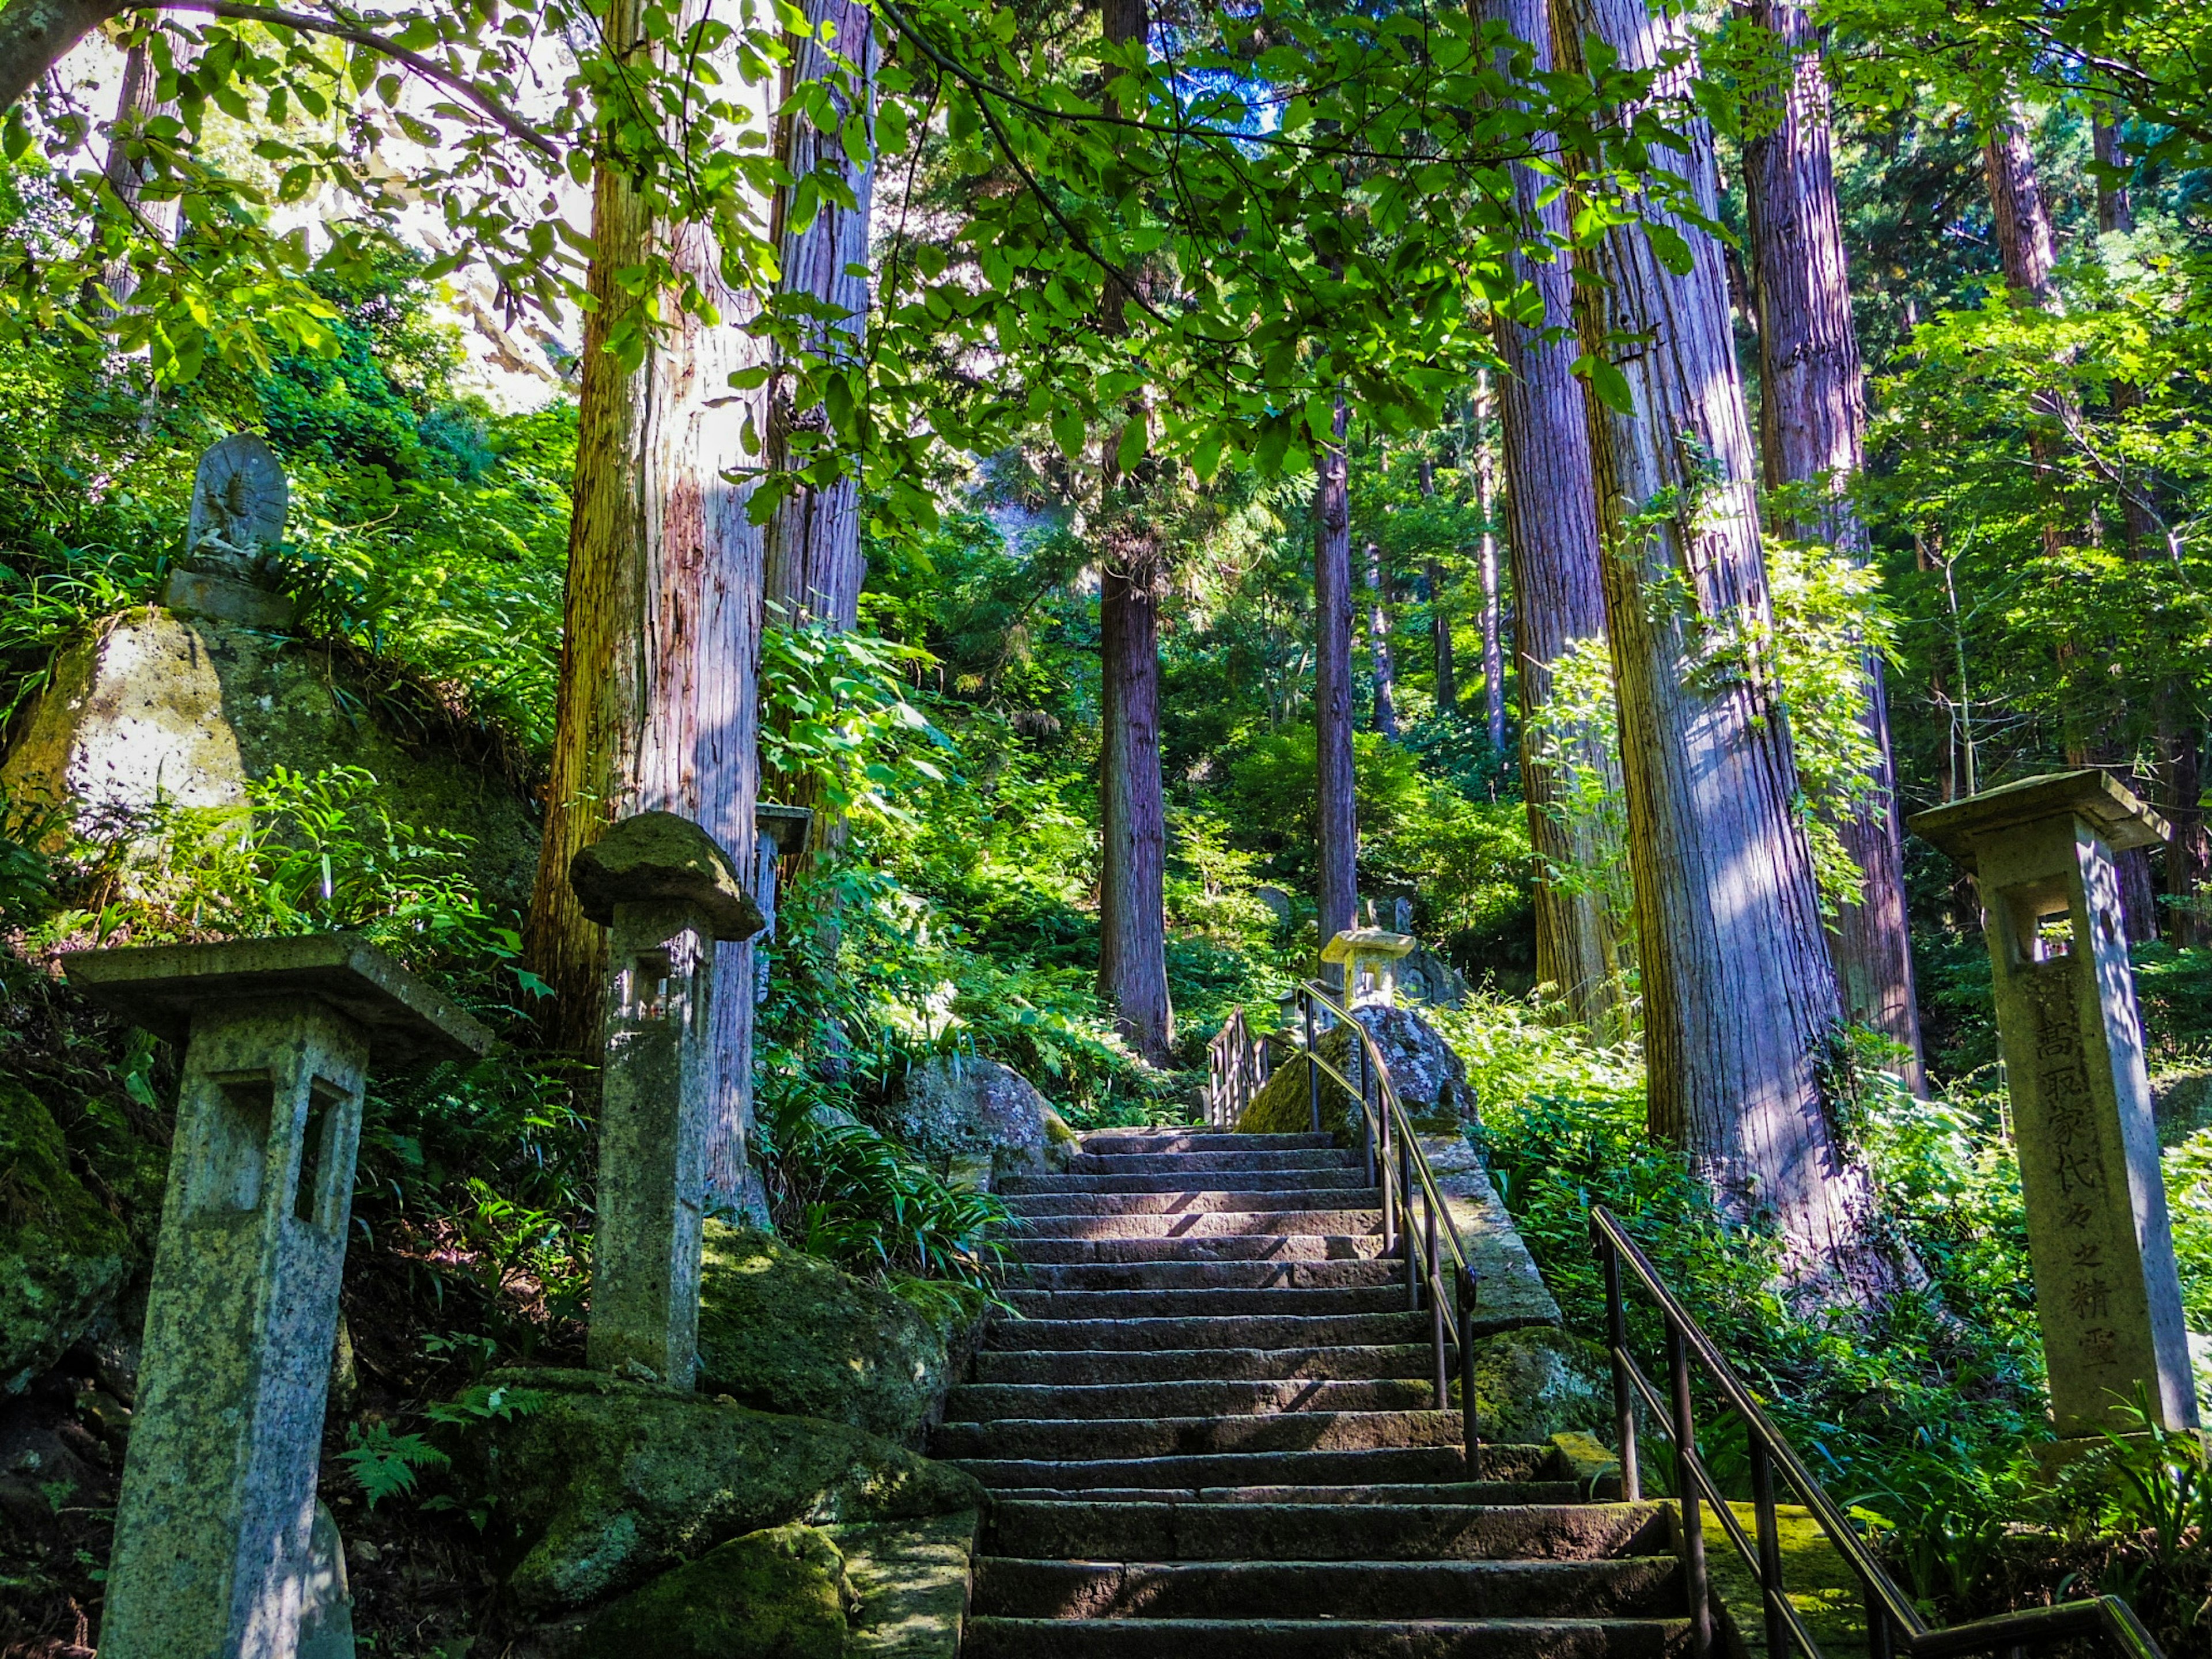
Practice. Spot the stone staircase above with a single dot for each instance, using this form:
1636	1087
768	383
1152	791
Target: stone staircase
1209	1435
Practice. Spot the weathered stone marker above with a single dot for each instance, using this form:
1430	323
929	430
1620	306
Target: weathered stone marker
239	501
1368	962
214	1528
667	892
2099	1243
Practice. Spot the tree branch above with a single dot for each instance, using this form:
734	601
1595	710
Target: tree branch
36	34
428	69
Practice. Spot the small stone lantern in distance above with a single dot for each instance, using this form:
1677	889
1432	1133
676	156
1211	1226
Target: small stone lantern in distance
667	892
212	1530
1368	959
2100	1242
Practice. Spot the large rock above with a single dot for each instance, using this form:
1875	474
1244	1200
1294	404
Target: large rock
781	1592
1430	1077
1533	1383
779	1331
154	706
959	1106
607	1483
63	1256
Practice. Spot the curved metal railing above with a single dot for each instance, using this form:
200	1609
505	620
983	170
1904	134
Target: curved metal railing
1437	1267
1894	1626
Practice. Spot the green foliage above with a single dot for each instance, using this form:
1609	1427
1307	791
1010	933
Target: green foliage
387	1465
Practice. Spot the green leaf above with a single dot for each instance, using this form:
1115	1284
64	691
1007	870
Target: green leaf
1130	449
1667	246
1067	432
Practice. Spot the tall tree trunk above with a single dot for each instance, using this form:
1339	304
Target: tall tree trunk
2116	208
138	102
1338	806
1378	639
812	554
1813	435
1552	535
657	704
1494	620
1740	1000
1133	966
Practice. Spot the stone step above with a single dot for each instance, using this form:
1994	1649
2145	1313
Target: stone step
1638	1587
1200	1140
1081	1439
1225	1331
995	1401
1231	1181
1091	1163
1216	1247
1433	1492
1208	1275
1079	1368
991	1638
1180	1200
1051	1529
1205	1225
1404	1468
1264	1302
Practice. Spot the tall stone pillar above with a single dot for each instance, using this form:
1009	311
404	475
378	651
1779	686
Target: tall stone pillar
212	1557
2099	1243
667	892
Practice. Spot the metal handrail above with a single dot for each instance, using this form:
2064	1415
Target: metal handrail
1895	1629
1384	1127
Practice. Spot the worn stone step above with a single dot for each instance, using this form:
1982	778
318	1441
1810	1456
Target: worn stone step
1051	1529
1432	1491
1639	1586
1318	1158
1332	1471
989	1637
1207	1275
1224	1331
1077	1439
1184	1201
1229	1180
1265	1303
1080	1367
1200	1140
1213	1246
1205	1223
988	1402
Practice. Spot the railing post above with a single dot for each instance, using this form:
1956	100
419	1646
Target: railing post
1770	1548
1878	1633
1406	1222
1624	1398
1436	1310
1313	1068
1693	1519
1356	1057
1469	1426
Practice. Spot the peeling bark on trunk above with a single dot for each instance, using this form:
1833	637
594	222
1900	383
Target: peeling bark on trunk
1378	642
2027	249
1133	967
1493	630
1812	434
137	103
1739	999
1337	802
660	654
37	34
1551	534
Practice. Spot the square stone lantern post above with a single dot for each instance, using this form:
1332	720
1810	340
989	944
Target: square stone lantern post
212	1558
1367	958
2099	1243
667	892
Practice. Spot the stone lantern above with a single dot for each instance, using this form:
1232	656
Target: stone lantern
1367	959
2100	1242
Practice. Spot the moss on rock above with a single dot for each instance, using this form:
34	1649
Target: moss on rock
781	1592
1430	1077
63	1256
1533	1383
607	1482
781	1331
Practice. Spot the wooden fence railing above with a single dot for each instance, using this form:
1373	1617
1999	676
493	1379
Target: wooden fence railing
1236	1064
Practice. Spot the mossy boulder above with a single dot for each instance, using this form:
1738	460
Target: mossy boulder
605	1482
958	1105
781	1592
1430	1077
64	1255
1533	1383
781	1331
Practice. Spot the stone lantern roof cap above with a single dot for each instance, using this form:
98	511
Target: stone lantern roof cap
658	855
1368	942
786	826
2091	795
159	986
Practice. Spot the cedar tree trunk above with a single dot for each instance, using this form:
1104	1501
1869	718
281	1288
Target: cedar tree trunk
1739	999
1336	801
1493	633
1378	638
